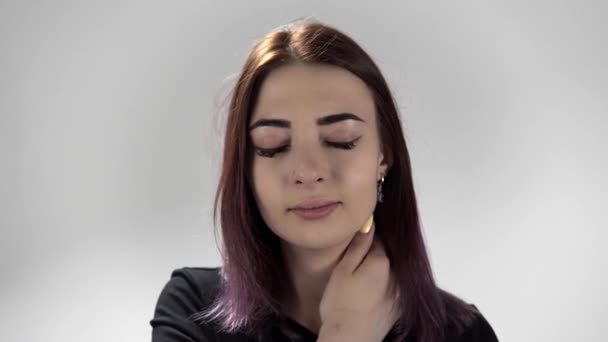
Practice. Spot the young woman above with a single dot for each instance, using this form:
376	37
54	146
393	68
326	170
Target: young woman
320	226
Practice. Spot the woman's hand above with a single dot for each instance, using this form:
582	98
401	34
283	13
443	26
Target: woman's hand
358	303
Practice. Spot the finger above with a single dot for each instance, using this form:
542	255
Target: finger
375	260
357	249
395	312
376	249
394	287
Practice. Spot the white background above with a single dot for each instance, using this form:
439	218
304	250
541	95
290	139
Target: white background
111	132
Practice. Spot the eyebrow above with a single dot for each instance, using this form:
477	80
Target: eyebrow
322	121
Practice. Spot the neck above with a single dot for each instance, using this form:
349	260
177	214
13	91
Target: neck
309	271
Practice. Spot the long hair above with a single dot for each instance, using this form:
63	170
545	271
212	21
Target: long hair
253	267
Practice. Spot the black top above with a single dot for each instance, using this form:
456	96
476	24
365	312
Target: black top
192	289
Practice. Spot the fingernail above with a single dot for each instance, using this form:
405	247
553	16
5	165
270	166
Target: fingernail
368	225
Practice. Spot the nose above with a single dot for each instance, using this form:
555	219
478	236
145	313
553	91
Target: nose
309	168
308	178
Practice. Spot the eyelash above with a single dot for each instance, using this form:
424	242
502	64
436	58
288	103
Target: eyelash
269	153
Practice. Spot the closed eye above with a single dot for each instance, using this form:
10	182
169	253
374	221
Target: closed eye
270	152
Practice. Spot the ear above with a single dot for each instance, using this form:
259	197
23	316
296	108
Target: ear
382	165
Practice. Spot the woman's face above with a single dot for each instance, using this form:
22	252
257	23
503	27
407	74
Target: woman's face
307	164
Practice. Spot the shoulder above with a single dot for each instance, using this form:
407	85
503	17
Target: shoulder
479	330
189	290
198	282
195	286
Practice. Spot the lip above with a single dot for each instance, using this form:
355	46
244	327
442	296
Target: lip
314	203
316	213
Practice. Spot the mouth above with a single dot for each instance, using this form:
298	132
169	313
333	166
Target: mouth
314	204
316	213
314	207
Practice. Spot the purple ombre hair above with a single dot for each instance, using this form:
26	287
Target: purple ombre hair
253	269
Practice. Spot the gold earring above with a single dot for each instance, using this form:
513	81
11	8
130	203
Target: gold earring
368	225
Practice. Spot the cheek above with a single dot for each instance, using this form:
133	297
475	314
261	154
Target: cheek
358	181
356	169
266	190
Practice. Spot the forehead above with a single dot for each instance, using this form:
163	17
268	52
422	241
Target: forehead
312	90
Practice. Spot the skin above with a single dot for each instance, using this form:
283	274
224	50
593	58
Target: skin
309	168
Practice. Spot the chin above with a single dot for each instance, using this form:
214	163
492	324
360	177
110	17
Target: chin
317	239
